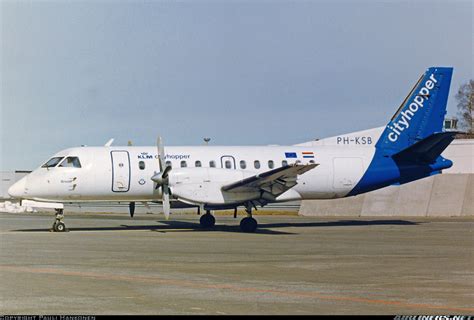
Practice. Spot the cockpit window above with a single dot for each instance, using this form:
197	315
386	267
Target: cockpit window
52	162
71	162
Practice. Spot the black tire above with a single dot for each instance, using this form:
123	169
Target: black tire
59	227
207	221
248	224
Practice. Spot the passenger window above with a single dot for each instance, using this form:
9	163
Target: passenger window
284	163
198	164
271	164
212	164
183	164
243	164
141	165
256	164
52	162
71	162
228	164
311	161
168	164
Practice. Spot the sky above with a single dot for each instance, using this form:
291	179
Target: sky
240	72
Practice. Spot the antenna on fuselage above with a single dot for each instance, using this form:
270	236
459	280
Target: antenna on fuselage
109	143
206	140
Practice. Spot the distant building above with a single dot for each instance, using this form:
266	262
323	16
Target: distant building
461	152
450	124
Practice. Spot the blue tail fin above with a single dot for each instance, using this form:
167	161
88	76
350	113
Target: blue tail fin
421	114
410	147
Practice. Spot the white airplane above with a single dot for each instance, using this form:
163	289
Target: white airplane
408	148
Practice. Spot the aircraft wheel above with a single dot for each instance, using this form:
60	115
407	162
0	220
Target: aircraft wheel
248	224
59	227
207	221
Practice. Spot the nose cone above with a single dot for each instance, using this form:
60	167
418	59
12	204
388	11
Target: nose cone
17	190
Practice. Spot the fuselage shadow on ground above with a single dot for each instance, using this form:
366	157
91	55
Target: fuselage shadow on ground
263	228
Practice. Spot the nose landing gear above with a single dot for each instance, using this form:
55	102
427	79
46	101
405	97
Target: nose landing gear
59	225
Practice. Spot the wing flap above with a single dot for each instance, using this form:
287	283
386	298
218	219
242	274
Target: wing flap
275	181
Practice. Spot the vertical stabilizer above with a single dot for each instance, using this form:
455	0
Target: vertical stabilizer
422	112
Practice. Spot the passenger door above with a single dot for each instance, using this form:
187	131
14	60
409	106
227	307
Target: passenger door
120	171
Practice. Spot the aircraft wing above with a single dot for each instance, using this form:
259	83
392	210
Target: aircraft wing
273	182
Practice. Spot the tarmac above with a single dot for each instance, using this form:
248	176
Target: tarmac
111	264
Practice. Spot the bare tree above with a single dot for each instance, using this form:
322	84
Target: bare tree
465	99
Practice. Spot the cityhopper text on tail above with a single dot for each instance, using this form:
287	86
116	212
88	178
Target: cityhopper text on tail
212	178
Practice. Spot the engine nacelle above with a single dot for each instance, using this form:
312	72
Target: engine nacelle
203	185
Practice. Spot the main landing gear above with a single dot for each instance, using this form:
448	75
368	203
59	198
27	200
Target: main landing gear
248	224
59	225
207	220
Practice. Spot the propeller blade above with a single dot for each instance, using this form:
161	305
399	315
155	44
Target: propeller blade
165	173
166	202
161	153
161	178
131	207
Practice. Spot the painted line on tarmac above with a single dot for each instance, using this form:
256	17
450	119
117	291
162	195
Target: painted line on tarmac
229	287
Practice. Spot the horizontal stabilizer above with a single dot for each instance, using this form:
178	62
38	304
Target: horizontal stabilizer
426	151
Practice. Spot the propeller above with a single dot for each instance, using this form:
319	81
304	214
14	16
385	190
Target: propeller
161	178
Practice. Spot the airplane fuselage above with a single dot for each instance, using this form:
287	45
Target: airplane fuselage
123	173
